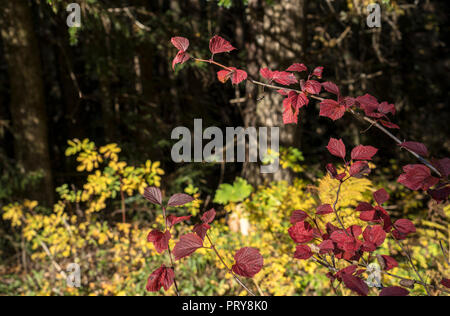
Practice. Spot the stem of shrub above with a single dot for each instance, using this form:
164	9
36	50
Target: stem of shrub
213	247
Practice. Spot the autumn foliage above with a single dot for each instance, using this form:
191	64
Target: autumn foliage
354	245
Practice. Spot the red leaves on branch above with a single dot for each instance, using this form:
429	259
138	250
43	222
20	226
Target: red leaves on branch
416	147
303	252
301	232
281	77
363	152
297	68
180	199
219	45
201	230
187	245
332	109
182	44
416	177
443	166
336	148
394	291
359	169
236	75
153	195
162	277
159	239
248	262
387	263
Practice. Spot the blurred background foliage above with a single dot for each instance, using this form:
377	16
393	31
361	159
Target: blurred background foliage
110	82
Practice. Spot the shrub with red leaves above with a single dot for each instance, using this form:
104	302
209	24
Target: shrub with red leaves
355	245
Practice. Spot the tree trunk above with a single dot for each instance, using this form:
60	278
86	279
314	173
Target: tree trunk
275	38
27	106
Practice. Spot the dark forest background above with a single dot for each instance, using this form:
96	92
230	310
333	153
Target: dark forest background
111	81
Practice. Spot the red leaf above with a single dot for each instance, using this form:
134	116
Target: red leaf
381	196
219	45
440	194
363	152
248	262
284	78
324	209
297	67
209	216
318	72
389	263
336	148
180	58
446	283
443	166
162	277
153	195
201	230
386	108
187	245
301	232
394	291
172	220
237	75
181	43
405	226
180	199
223	75
374	235
368	103
266	73
359	168
289	115
160	240
303	252
416	147
326	246
298	216
331	87
312	87
355	284
389	124
363	207
331	170
297	100
332	109
416	177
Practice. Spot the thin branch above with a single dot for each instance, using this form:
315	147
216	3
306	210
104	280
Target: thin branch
408	255
357	115
170	255
213	247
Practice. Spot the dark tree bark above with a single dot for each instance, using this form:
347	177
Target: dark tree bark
27	107
275	38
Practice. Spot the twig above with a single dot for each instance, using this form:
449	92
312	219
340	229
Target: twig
213	247
408	255
170	255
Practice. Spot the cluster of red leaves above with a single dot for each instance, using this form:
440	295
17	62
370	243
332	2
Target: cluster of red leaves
248	261
294	100
342	243
350	244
